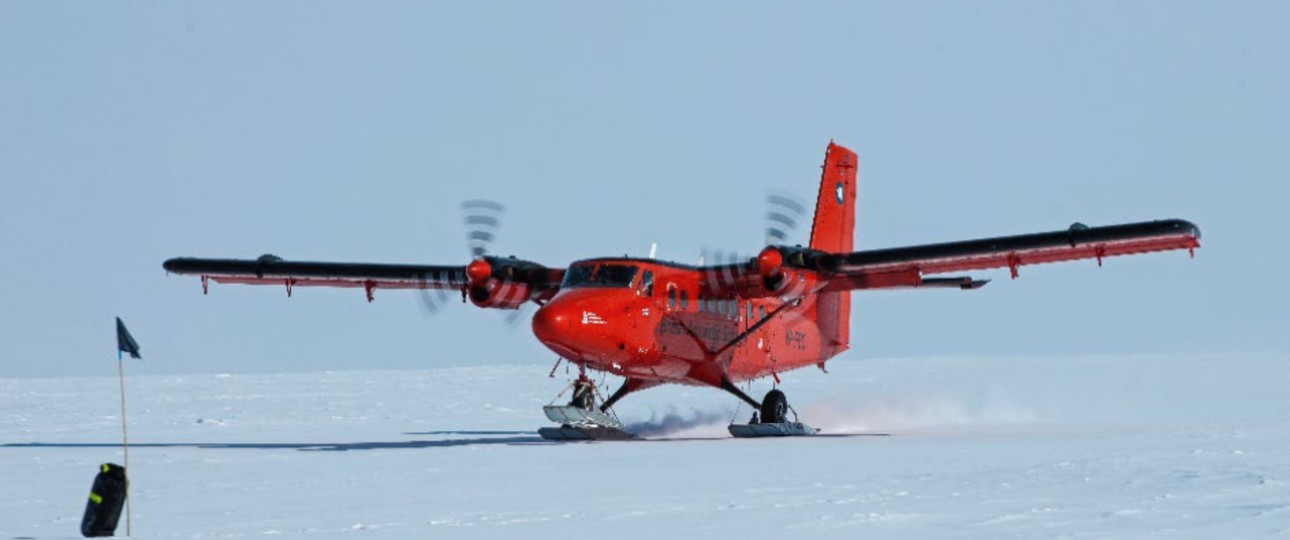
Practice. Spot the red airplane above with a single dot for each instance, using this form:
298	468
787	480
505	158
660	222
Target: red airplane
654	322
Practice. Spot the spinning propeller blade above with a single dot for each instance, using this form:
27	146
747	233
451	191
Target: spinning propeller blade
482	219
784	212
432	300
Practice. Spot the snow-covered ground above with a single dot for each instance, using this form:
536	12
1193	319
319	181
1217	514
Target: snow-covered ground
1018	447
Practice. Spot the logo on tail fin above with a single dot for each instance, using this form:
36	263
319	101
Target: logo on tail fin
839	192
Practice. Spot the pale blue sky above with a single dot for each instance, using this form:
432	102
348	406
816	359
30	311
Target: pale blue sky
135	132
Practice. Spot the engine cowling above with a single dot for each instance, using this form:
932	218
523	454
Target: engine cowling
500	283
499	294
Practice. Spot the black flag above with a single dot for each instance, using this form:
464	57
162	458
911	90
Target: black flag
125	342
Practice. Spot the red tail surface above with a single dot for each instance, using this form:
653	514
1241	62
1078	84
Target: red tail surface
834	227
834	231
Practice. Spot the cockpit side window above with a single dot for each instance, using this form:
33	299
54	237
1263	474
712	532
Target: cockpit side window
614	275
577	275
604	275
647	283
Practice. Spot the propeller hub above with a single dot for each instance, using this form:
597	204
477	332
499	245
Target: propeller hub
479	271
769	262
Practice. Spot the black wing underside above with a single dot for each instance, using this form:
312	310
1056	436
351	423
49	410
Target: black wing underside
270	270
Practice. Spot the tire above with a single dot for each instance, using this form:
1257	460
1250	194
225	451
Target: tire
774	407
583	398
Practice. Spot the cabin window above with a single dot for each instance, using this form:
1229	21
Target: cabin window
685	301
671	297
748	312
647	283
761	312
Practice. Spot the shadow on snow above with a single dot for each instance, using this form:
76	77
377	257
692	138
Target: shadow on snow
306	447
513	439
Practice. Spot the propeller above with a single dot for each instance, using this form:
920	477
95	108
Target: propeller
784	212
523	313
722	270
432	300
483	218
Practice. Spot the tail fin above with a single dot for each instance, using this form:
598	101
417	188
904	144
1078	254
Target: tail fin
834	231
834	227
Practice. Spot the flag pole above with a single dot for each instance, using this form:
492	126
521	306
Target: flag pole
125	439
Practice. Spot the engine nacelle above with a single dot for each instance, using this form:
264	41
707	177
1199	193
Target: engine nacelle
498	294
494	282
777	264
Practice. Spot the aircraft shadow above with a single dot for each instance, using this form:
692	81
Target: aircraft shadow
304	447
530	432
514	439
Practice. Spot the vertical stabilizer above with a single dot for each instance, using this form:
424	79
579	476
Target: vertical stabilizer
833	230
834	227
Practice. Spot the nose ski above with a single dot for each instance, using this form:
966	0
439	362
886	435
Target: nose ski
578	424
580	419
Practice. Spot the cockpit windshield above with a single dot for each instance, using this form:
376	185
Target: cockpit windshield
599	275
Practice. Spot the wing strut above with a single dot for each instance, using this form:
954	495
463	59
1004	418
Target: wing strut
774	313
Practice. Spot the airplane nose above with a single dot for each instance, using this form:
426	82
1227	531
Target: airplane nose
552	323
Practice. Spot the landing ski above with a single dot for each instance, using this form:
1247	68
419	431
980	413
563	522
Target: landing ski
584	432
569	414
780	429
579	424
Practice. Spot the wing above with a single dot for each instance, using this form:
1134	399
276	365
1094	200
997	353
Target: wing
272	270
908	266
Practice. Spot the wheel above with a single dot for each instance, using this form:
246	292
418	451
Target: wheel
583	398
774	407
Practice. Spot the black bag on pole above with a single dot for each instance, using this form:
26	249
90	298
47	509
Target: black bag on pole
106	498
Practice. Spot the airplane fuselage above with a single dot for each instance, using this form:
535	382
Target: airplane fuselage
658	321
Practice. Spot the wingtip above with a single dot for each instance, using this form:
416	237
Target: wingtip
1190	228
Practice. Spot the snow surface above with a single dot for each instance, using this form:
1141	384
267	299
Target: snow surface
944	447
